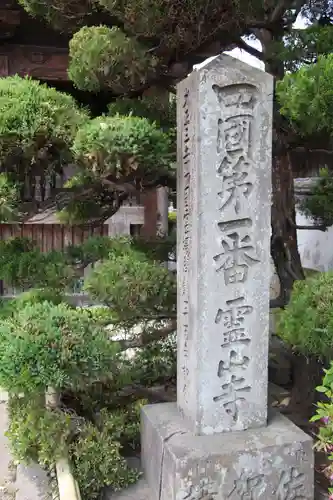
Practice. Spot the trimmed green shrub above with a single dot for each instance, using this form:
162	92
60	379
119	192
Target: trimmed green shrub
36	433
45	345
307	322
96	454
107	57
129	148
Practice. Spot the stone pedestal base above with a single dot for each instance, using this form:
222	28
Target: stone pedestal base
274	462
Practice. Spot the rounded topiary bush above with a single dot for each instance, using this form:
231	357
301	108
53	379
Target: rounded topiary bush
137	288
46	345
103	57
37	122
307	322
128	148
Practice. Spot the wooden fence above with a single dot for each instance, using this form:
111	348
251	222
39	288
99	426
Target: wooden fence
49	237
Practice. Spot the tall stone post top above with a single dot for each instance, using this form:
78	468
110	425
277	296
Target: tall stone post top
230	64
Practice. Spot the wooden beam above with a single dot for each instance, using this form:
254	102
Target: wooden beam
9	21
8	4
43	63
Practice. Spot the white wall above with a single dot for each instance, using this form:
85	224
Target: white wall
315	247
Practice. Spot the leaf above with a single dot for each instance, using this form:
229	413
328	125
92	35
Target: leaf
315	418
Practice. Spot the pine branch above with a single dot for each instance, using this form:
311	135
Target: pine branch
298	8
279	10
300	149
145	338
152	393
318	227
251	50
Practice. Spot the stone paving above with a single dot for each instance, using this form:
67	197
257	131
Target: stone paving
18	482
139	491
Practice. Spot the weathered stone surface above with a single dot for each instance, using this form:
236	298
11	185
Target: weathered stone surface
275	462
5	455
139	491
7	466
32	483
223	255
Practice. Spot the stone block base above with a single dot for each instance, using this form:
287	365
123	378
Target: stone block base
274	462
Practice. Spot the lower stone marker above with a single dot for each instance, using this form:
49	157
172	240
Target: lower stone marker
272	462
216	443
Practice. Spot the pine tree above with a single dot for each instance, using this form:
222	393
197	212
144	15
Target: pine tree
128	48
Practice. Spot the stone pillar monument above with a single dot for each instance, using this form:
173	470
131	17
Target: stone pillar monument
217	443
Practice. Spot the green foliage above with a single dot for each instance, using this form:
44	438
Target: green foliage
86	210
153	34
63	14
307	322
97	248
306	97
324	415
37	124
23	265
154	108
96	454
155	363
172	216
128	148
101	315
303	46
9	307
36	433
136	287
175	24
319	205
8	199
46	345
102	57
37	295
156	249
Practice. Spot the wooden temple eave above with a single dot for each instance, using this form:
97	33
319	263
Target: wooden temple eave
41	62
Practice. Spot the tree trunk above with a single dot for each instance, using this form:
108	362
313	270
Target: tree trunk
307	375
284	248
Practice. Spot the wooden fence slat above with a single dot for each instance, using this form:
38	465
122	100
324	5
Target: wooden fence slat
77	235
27	232
58	237
68	236
48	238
